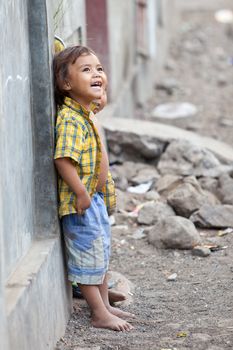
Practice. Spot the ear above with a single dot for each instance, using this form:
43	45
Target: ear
66	86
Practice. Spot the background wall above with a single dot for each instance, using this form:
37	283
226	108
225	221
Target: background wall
16	136
139	33
31	257
121	42
69	20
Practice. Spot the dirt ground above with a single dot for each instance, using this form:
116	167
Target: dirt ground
196	310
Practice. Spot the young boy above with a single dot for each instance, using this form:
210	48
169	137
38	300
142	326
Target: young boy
96	106
86	189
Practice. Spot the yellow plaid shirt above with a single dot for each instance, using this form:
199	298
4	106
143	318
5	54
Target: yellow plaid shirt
78	139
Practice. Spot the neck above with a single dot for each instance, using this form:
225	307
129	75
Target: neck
84	104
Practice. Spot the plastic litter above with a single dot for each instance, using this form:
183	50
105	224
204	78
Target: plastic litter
215	247
175	110
134	213
172	277
181	334
140	189
225	232
224	16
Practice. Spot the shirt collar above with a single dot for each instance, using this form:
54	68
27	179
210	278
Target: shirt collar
69	102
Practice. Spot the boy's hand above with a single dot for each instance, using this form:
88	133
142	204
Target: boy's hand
83	202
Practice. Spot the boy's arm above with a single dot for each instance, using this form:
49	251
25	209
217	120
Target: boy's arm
69	174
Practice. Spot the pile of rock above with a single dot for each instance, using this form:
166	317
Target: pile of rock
173	192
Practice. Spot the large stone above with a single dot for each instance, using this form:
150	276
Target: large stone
158	133
185	199
151	196
201	251
167	183
145	175
151	212
130	169
174	232
209	184
130	146
120	180
122	284
134	173
225	190
189	197
185	158
213	216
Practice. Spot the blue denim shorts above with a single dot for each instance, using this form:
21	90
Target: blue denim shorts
88	240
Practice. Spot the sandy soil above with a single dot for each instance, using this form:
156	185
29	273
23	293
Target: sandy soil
196	310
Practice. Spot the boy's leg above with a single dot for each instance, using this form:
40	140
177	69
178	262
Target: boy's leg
101	317
103	288
113	295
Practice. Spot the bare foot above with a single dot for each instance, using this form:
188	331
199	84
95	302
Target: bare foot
112	322
120	313
115	296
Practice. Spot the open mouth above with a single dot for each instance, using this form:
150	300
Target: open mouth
96	84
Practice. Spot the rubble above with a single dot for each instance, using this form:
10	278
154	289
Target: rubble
188	182
186	158
215	216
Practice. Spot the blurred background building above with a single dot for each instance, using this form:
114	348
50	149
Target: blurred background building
131	39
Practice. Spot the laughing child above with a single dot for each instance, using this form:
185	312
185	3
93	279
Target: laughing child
86	189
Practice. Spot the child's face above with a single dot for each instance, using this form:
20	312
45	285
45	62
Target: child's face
86	80
98	104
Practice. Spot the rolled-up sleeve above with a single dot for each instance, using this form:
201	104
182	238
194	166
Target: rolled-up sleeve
70	139
109	194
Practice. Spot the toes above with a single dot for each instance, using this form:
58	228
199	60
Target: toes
128	327
119	328
122	328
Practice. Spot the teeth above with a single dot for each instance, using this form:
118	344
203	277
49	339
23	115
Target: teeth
97	84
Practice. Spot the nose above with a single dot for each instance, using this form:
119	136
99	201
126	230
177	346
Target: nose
96	73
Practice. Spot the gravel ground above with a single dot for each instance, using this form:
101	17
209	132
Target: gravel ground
195	311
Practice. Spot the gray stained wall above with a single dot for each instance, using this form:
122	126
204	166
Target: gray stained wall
16	136
34	296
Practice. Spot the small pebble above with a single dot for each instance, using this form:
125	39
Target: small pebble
201	251
172	277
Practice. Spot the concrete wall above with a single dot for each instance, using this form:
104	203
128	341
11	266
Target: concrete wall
138	49
121	27
69	20
16	136
204	5
168	19
3	327
31	258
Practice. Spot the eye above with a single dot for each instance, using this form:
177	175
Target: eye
100	69
86	69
